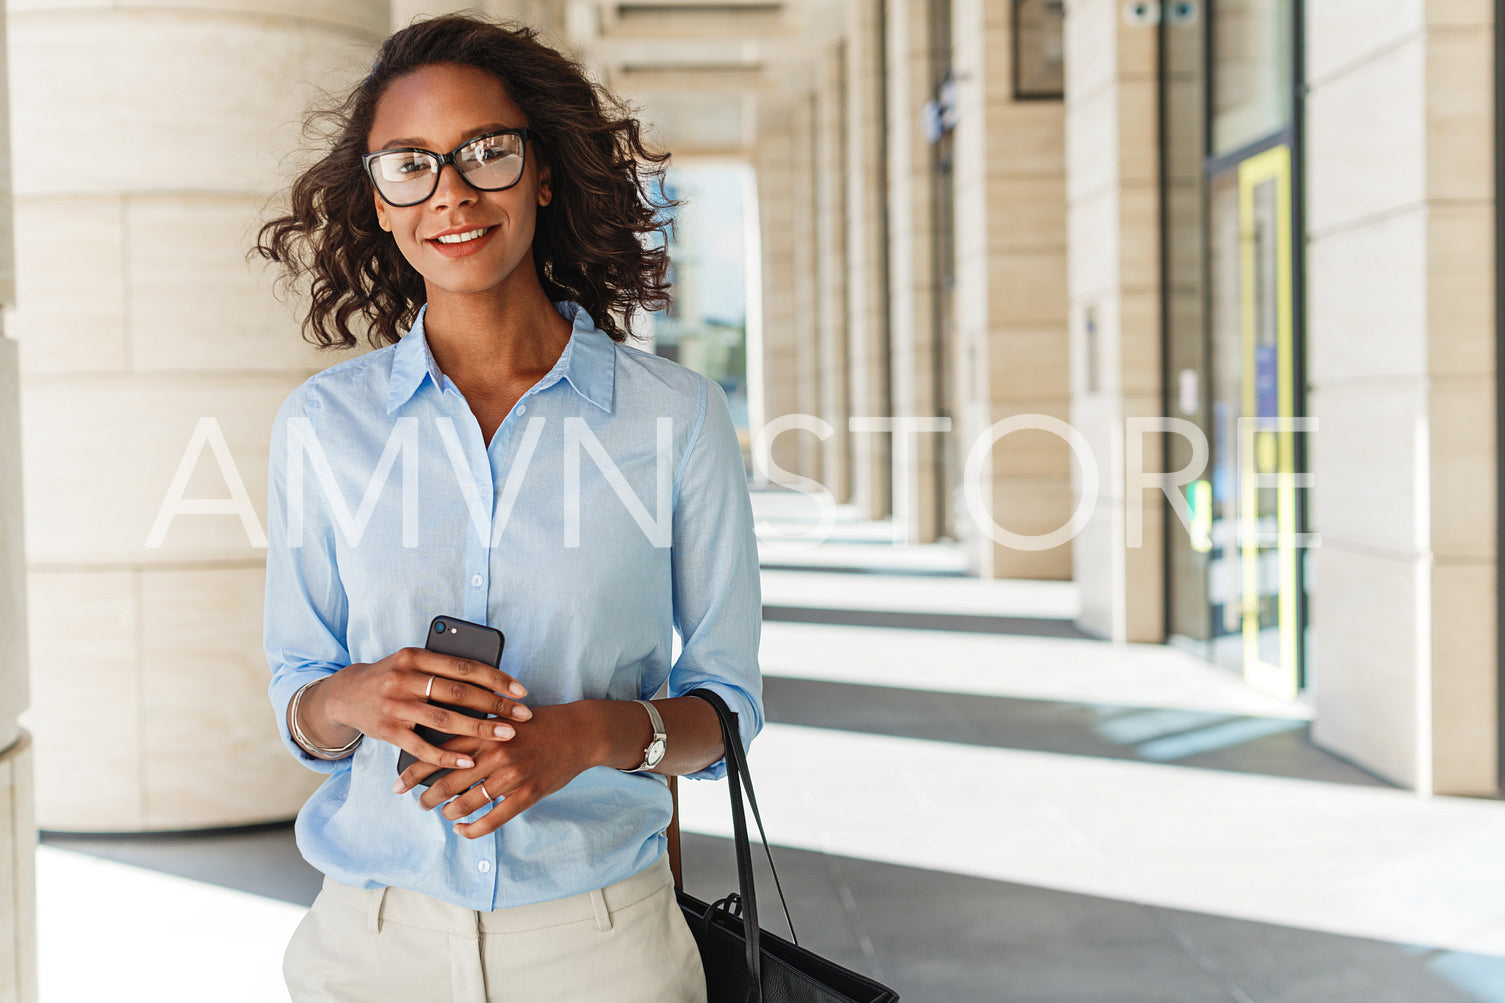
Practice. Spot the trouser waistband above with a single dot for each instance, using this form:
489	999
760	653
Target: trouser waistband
410	908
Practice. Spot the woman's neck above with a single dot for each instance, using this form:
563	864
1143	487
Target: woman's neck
495	336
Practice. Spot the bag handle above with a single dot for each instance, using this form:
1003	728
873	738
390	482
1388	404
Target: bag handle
739	777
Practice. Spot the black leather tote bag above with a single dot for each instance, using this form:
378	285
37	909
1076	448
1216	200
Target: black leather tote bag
745	964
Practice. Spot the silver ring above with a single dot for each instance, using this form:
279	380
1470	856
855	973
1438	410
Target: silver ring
484	791
428	692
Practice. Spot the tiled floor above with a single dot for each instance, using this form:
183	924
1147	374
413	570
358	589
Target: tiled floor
985	808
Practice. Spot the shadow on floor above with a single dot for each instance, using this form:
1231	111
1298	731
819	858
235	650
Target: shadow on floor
948	938
868	569
1277	747
1035	626
261	860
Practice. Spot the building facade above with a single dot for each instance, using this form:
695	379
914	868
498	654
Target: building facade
1204	296
1193	303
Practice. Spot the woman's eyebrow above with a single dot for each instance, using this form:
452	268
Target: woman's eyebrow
468	135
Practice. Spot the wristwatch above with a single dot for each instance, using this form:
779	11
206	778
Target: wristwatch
654	754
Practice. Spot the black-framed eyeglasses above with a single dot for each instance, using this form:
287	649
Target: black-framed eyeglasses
409	175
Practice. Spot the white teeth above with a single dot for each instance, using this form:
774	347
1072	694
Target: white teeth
460	238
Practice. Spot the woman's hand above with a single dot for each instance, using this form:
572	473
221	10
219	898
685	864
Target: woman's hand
386	698
555	747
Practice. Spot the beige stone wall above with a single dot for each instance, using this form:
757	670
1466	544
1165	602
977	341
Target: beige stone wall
866	244
138	316
18	893
545	15
1011	301
15	690
911	270
1401	366
18	829
1112	194
831	267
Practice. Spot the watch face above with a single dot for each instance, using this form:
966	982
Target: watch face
655	752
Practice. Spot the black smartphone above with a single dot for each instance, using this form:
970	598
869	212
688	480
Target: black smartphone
452	636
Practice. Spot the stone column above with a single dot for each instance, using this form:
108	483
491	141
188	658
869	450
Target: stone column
867	250
1011	298
1113	278
831	269
776	183
912	282
145	335
1401	363
18	829
806	374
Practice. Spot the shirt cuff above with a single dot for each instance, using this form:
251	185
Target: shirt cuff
749	721
282	689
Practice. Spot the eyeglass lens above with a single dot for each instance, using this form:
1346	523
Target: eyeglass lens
407	177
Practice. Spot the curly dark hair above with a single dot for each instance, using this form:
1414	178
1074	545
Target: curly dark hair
589	242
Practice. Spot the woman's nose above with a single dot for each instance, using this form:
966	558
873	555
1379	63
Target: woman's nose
452	190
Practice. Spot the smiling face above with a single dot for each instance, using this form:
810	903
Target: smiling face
463	241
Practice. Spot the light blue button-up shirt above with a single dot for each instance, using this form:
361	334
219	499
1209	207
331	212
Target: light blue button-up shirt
609	510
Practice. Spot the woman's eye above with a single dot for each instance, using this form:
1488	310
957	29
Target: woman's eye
401	168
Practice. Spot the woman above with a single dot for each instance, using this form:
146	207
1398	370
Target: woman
583	497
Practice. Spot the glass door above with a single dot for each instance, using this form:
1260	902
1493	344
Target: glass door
1266	448
1253	572
1233	350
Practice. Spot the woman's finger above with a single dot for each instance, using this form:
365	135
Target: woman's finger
443	690
419	772
408	740
487	791
468	670
413	776
506	810
447	787
454	723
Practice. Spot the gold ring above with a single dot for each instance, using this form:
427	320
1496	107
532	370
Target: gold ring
429	691
484	791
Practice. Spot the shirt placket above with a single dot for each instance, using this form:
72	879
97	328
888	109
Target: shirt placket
477	566
480	853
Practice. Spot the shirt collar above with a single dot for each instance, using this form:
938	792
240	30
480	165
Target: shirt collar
411	362
588	362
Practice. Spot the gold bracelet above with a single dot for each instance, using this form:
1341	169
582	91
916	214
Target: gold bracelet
317	751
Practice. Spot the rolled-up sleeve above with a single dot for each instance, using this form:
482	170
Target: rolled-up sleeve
306	611
718	601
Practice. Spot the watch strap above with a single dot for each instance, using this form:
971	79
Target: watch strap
659	737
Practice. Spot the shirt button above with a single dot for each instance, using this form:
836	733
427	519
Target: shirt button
484	867
476	581
522	409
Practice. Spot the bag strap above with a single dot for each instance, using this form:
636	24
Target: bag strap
739	777
673	836
731	739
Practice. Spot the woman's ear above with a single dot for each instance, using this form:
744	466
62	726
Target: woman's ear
545	188
381	213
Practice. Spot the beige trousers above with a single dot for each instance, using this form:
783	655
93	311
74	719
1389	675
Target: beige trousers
626	943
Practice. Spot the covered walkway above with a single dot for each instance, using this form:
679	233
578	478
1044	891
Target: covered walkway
978	804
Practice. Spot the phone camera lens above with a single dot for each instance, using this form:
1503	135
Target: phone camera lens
439	627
